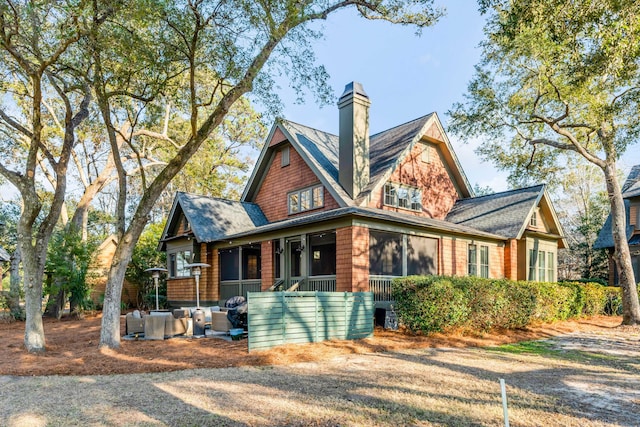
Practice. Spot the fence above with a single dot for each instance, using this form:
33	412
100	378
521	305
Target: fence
277	318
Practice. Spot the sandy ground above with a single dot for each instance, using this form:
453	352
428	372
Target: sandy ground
588	377
72	348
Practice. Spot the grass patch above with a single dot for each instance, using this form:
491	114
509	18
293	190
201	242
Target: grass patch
540	348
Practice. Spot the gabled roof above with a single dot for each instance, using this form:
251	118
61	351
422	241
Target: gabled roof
506	214
630	189
605	237
387	150
212	218
4	255
631	186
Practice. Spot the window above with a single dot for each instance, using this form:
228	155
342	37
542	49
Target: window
533	260
306	199
550	267
426	154
385	253
390	195
402	196
250	262
229	264
284	157
322	256
422	254
542	269
484	261
534	219
474	268
542	266
177	262
472	260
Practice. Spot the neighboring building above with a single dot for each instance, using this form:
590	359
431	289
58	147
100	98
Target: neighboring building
4	258
100	270
631	196
353	211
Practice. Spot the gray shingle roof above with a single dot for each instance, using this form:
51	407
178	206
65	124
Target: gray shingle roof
321	150
372	213
605	237
631	186
386	147
500	213
4	255
211	218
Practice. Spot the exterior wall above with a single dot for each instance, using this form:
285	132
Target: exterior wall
454	257
352	259
278	181
438	190
267	273
511	259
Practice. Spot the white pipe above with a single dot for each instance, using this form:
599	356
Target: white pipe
504	403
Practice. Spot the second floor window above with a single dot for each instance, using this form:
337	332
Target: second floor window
402	196
306	199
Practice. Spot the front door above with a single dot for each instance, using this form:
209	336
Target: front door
293	261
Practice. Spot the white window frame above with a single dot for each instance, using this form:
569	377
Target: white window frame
475	266
533	222
175	262
305	199
402	196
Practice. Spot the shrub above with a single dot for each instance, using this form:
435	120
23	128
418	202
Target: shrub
429	304
437	303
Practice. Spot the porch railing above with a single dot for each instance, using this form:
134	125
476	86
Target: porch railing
320	283
231	288
381	287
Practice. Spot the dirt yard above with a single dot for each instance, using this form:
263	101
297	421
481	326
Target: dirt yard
585	373
72	348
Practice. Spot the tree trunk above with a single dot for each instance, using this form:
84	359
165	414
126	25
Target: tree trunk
14	285
110	330
33	265
621	254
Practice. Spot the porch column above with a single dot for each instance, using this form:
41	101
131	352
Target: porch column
266	264
352	259
511	259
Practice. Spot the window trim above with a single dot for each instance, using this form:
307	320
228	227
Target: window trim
311	199
391	196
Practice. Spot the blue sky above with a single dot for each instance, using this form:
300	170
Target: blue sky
406	76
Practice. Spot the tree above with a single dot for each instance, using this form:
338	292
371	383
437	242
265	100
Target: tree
560	79
239	45
34	38
582	208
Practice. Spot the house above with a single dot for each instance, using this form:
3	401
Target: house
631	196
99	271
350	212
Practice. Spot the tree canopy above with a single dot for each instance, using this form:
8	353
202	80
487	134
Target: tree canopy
559	79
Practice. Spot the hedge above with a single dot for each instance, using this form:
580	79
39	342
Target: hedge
440	303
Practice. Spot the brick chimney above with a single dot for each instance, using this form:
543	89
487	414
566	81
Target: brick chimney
353	172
